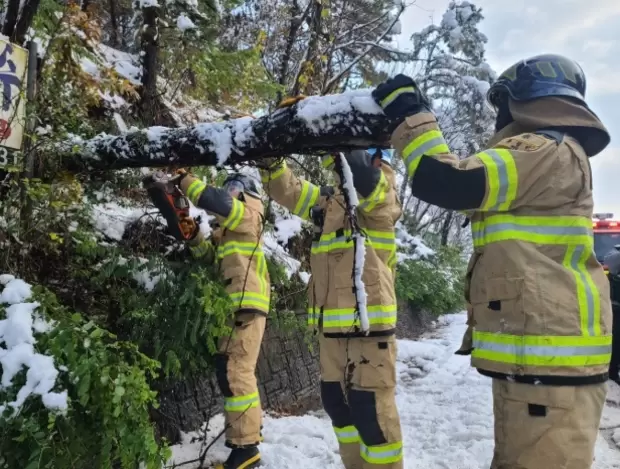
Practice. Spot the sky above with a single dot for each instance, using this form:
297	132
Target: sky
585	31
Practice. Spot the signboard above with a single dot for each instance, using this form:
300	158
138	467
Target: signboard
13	66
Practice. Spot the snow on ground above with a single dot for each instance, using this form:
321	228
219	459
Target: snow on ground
445	409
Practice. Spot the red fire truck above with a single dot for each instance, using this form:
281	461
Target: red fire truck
606	235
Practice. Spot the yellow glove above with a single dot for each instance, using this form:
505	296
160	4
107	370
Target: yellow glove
287	102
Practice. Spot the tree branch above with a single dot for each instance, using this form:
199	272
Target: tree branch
316	124
337	78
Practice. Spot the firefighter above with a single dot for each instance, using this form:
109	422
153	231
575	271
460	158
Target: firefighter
539	299
239	213
358	374
612	261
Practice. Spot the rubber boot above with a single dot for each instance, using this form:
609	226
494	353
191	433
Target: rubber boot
246	457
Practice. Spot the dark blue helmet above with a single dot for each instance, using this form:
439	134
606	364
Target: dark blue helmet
538	77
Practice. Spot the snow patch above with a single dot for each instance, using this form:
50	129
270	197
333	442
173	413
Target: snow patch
146	3
184	23
287	228
111	219
15	290
123	62
412	247
277	253
304	276
17	349
219	133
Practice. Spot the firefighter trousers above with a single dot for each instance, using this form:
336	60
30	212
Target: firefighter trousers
235	366
544	427
358	381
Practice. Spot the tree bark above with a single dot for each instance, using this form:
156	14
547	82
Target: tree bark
10	18
25	20
294	26
149	52
114	41
445	227
300	128
308	68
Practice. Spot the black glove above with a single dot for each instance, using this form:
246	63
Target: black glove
400	97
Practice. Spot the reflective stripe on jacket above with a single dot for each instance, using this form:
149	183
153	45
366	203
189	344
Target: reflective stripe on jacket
240	248
331	302
539	299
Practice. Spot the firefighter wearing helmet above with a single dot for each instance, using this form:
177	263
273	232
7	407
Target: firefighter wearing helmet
538	300
239	214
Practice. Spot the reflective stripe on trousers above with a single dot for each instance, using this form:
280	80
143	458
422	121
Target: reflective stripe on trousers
348	434
241	403
382	454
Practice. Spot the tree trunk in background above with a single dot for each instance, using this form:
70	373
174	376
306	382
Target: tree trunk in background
290	42
10	18
114	41
446	226
304	82
149	46
25	20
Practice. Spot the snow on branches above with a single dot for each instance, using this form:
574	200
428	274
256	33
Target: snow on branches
17	349
320	123
359	245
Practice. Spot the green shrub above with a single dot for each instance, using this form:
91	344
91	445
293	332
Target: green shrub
433	284
109	397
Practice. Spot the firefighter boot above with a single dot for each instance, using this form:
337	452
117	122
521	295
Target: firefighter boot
242	457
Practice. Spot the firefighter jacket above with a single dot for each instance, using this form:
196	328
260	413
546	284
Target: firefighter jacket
239	244
540	309
331	294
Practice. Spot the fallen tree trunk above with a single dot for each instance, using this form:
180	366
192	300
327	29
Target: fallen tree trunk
319	123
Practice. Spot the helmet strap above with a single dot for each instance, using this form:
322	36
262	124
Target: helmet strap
504	116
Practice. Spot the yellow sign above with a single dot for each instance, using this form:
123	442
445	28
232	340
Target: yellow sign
13	66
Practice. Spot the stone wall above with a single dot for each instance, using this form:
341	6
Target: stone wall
288	376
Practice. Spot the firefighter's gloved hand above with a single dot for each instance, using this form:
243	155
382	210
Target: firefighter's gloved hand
400	97
185	180
291	100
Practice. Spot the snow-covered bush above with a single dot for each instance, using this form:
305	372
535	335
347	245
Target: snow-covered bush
432	283
72	395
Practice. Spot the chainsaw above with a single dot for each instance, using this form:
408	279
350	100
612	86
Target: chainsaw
172	204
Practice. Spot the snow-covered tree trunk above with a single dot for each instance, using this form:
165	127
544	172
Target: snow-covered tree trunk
320	123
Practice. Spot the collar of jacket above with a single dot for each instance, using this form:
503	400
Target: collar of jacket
579	121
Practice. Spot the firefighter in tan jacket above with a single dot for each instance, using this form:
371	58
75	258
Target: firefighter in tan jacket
239	213
540	308
358	375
